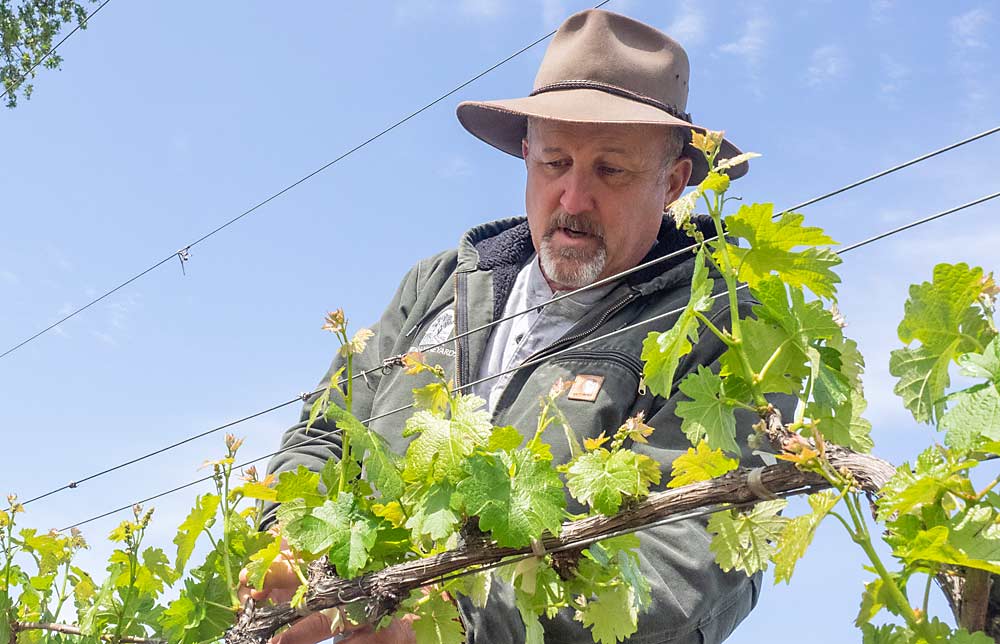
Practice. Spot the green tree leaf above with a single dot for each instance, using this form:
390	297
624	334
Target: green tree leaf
923	377
662	352
944	317
438	621
299	485
514	495
745	540
431	512
983	365
383	466
709	414
611	616
505	439
973	416
932	477
771	244
798	534
700	463
433	397
765	343
260	562
601	479
201	517
338	529
443	444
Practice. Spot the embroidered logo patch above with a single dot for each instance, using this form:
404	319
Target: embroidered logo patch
586	387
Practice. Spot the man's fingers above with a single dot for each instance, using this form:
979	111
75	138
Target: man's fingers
308	630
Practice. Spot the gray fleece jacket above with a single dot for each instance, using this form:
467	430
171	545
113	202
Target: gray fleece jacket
693	601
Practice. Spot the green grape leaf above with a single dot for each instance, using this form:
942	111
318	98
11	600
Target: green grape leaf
977	535
700	463
771	244
745	540
476	586
798	534
845	426
504	439
601	479
438	621
199	614
381	463
260	562
761	340
923	377
352	534
804	322
433	397
962	636
612	616
431	513
931	478
514	495
942	313
337	528
662	352
973	417
443	444
201	517
831	388
983	365
708	415
299	485
887	634
944	317
873	600
259	490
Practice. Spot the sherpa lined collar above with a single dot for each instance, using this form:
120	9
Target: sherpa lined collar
506	251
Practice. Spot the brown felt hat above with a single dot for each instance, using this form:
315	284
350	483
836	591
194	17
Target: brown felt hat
600	67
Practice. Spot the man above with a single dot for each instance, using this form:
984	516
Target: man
603	139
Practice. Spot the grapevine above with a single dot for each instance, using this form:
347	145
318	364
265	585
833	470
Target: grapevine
377	534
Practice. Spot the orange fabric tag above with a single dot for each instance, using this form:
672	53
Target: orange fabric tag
586	387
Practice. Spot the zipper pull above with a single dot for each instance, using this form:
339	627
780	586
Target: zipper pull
642	385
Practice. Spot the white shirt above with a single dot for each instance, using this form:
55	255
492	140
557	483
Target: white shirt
513	341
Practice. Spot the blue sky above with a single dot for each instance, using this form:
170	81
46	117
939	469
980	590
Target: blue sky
169	118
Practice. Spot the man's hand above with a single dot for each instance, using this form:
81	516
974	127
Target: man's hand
280	584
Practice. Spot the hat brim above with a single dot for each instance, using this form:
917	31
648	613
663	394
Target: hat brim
503	123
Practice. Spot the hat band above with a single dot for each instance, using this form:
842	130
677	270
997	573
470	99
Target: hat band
617	91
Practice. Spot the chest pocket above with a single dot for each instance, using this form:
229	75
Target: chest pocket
589	413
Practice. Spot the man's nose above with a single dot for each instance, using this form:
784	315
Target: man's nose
577	195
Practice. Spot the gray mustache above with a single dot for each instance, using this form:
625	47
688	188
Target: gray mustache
580	223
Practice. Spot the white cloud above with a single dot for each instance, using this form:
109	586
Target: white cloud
966	29
751	45
688	26
881	8
894	77
827	64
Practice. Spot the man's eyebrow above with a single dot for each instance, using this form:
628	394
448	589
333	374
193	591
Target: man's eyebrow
610	148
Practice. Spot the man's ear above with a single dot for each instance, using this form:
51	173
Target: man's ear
524	149
677	179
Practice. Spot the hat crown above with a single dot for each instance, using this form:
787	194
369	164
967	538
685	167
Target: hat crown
610	49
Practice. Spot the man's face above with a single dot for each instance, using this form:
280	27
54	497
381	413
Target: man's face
595	196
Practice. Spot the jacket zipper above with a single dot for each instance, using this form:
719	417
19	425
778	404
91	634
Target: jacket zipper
618	357
614	308
460	324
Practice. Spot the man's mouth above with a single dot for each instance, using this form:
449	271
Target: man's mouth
574	233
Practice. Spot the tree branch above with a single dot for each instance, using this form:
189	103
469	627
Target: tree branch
379	592
67	629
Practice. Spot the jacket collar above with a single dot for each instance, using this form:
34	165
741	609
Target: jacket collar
504	246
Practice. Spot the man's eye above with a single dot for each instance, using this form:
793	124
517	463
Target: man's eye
560	163
609	170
